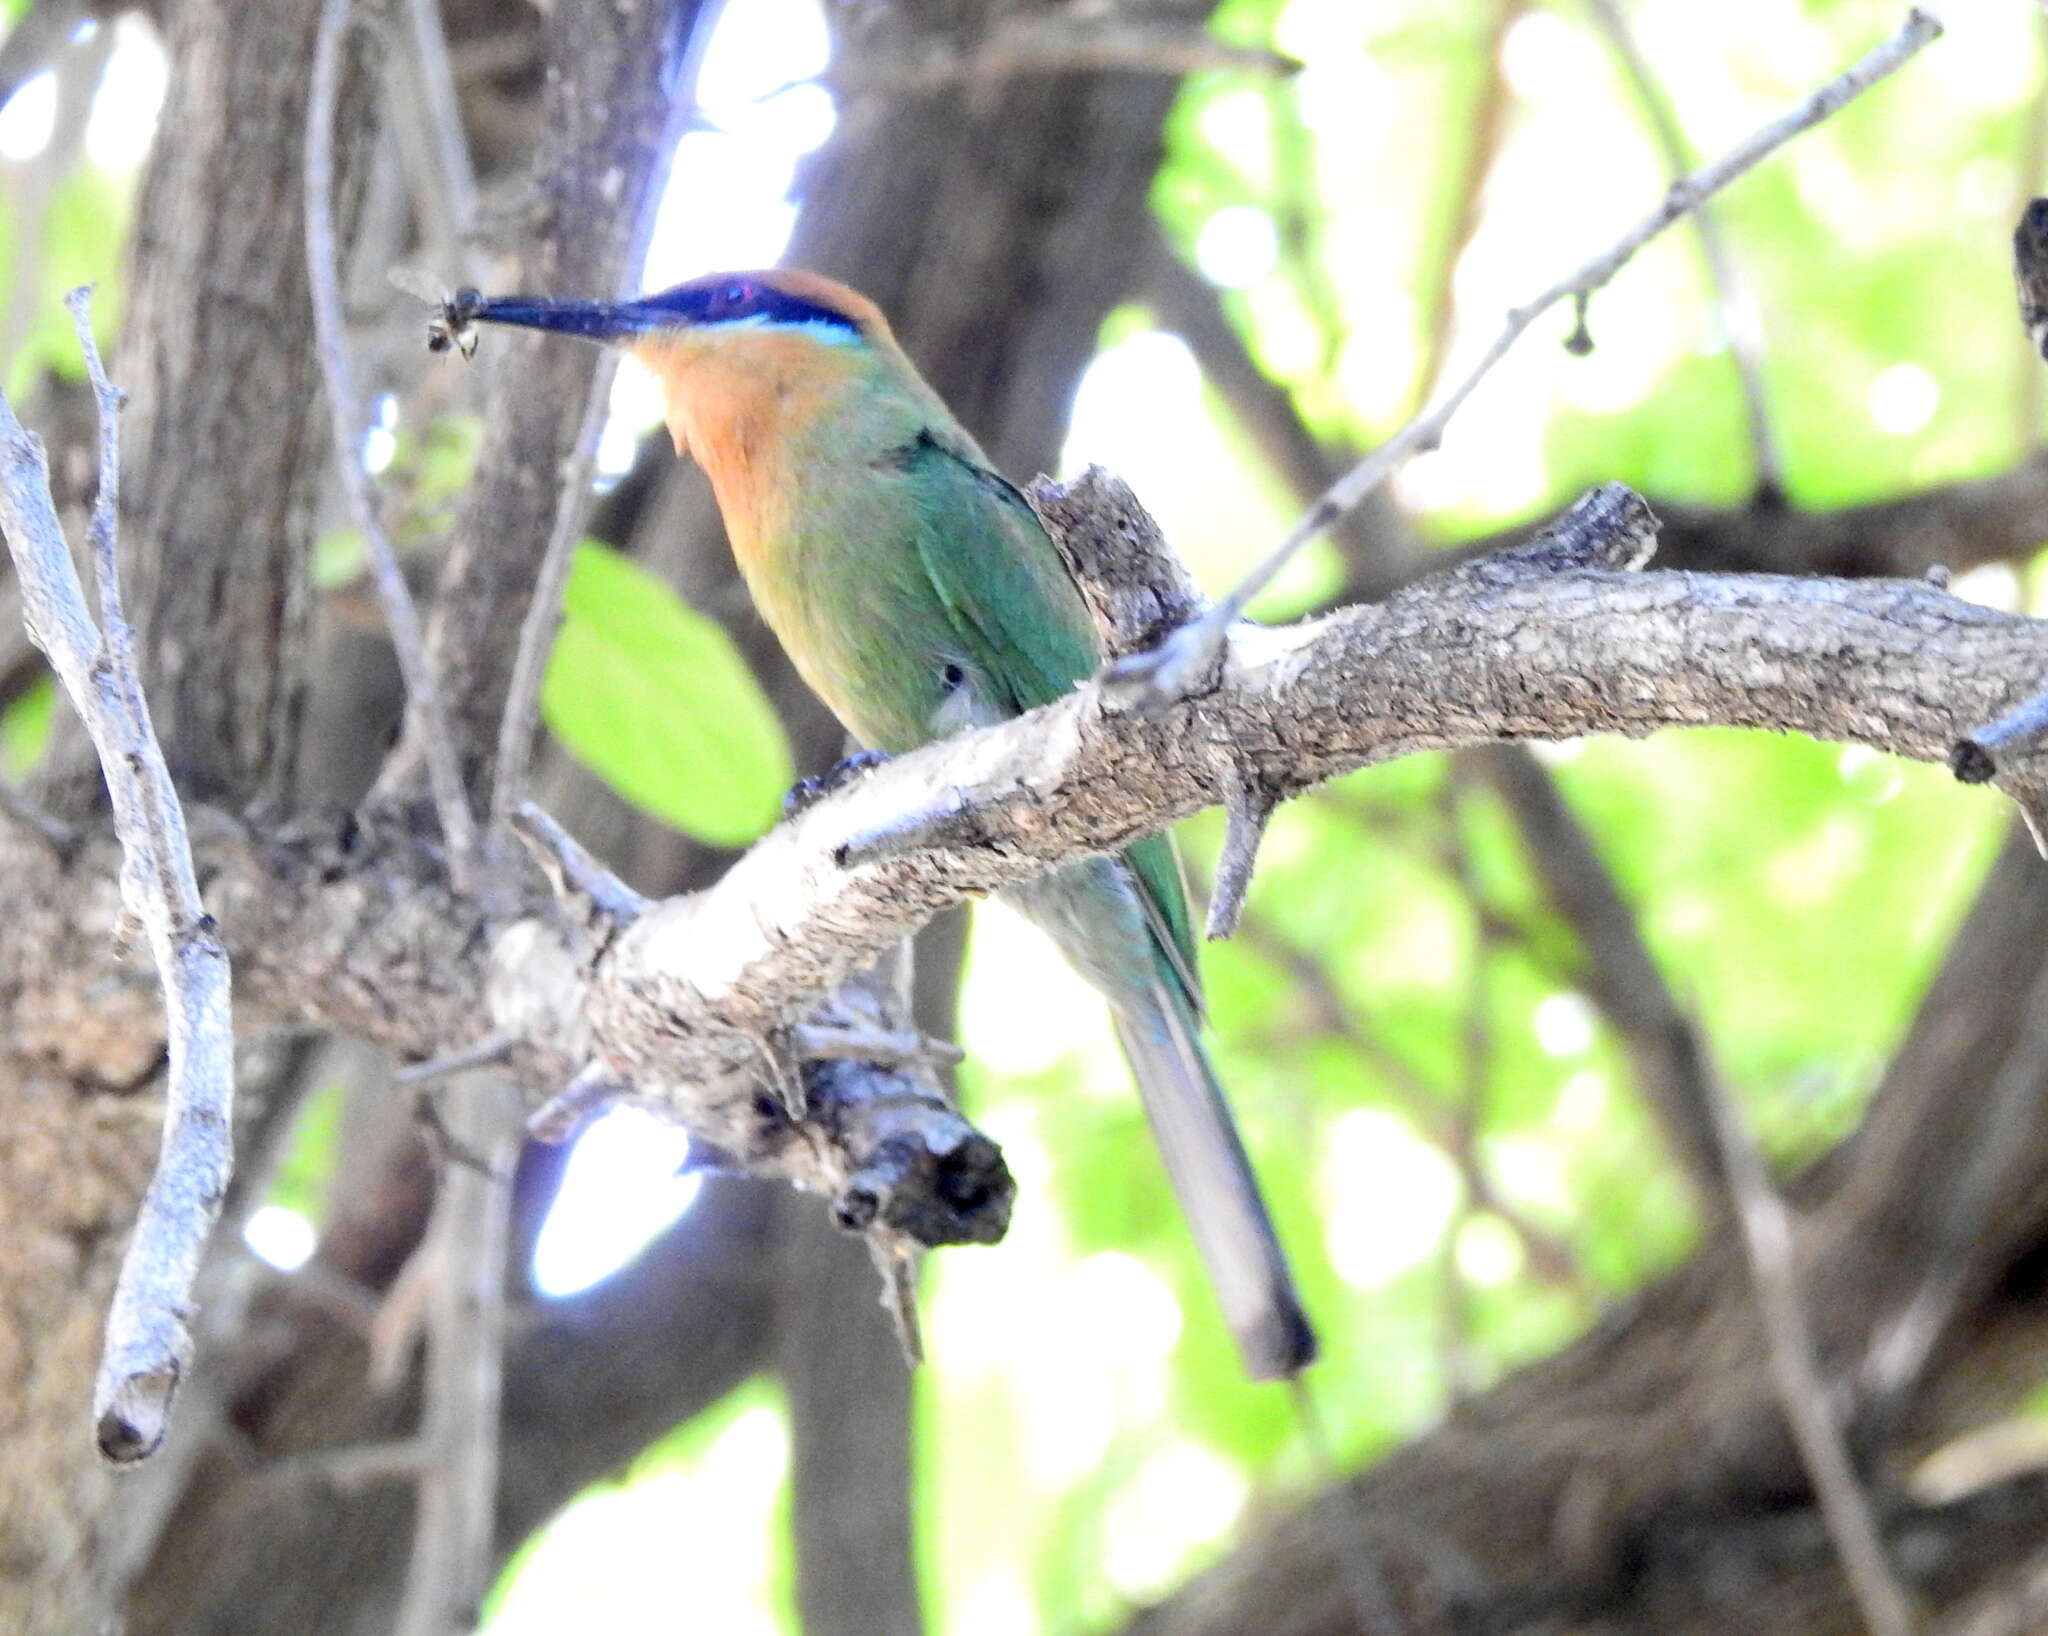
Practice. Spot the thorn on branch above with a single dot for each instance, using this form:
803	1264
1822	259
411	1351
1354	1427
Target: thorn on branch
594	1089
595	898
495	1046
1248	805
898	1267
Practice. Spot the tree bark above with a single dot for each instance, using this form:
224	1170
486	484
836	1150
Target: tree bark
225	449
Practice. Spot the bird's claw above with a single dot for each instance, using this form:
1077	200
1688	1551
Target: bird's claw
806	793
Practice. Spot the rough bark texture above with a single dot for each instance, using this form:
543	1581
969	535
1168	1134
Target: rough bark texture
217	526
217	343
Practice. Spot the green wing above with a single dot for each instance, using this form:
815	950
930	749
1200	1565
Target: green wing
1022	620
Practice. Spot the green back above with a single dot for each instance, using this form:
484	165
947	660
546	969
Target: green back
1022	621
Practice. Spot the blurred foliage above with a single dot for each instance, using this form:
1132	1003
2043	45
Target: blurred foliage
300	1183
654	698
25	727
1084	1436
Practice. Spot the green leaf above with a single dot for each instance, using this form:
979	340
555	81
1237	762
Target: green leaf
653	697
25	727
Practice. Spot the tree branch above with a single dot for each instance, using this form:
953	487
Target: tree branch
466	1247
1766	1228
616	93
148	1346
1176	666
1738	317
1552	640
345	409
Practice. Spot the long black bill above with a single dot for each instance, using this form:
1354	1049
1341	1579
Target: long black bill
599	321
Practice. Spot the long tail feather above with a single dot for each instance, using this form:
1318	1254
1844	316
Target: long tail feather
1212	1178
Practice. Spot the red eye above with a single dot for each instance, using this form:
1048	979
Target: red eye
735	295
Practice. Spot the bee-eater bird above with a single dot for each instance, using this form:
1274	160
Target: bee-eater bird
918	595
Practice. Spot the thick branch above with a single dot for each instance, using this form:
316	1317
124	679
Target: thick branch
1535	643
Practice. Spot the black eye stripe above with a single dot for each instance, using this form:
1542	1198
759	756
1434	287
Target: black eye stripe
734	300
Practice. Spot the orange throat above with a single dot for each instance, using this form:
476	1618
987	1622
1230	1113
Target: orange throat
735	402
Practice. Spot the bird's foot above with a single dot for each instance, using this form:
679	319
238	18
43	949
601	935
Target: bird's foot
806	793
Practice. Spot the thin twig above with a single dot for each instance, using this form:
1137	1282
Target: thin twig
518	723
468	1241
441	111
444	774
590	892
1488	124
516	728
148	1344
1845	1508
594	1089
1741	327
1178	664
494	1046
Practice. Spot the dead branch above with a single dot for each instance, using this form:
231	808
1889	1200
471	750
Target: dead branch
148	1345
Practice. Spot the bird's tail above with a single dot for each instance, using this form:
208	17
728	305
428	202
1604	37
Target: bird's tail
1212	1178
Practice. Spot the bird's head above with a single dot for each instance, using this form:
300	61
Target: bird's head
732	350
717	312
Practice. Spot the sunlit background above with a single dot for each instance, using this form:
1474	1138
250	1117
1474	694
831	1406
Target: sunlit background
1113	1447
